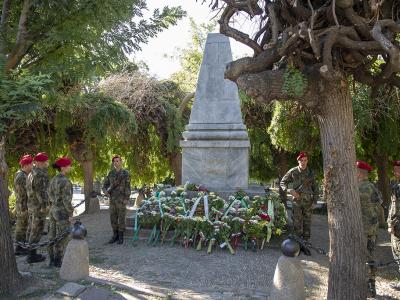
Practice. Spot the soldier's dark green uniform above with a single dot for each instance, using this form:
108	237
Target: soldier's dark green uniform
370	200
304	183
117	184
37	184
394	213
60	196
21	206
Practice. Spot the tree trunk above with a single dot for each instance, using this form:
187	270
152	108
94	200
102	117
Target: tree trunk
87	167
84	155
175	162
347	272
9	276
381	159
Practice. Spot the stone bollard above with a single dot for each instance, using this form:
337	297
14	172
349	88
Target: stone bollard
75	264
288	283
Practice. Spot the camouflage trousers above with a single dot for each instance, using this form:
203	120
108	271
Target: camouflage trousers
117	214
302	212
21	226
371	243
396	249
35	227
57	226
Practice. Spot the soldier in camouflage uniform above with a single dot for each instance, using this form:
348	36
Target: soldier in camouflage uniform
61	212
305	193
37	184
394	216
117	186
370	200
21	204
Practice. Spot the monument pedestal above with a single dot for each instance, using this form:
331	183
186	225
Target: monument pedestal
215	149
219	165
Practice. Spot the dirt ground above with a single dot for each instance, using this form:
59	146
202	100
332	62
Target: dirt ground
156	272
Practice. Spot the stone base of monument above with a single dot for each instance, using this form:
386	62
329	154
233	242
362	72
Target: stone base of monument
75	265
94	205
288	282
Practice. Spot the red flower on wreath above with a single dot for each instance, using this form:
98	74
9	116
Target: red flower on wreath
265	217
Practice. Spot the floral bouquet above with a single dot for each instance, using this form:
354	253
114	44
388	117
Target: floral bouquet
222	233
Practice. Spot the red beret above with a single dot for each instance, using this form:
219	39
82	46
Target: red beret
301	155
63	162
25	160
396	163
41	157
363	165
116	156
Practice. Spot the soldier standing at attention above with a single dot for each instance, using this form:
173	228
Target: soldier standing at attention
117	186
305	192
21	204
61	212
394	218
37	184
370	200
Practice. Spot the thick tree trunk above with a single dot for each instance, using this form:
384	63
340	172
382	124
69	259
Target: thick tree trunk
175	162
87	167
347	272
9	275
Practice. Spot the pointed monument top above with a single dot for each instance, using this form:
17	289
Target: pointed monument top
217	99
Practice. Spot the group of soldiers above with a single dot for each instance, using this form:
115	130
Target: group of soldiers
305	193
38	197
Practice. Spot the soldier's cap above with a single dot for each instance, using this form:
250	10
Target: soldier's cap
396	163
41	157
26	160
301	155
63	162
364	166
116	156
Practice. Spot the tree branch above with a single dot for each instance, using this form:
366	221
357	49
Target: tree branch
234	33
267	86
263	61
21	43
394	64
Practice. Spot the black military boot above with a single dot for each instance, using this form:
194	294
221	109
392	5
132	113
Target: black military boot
371	288
120	237
57	261
19	251
33	257
114	238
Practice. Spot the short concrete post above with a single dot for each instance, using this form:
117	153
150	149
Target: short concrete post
288	282
75	264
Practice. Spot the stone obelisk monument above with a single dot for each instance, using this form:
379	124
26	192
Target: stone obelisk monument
215	149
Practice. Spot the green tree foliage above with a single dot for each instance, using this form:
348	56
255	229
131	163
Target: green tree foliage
159	123
80	38
293	128
20	100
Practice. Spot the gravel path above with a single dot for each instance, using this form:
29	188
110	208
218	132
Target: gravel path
190	274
